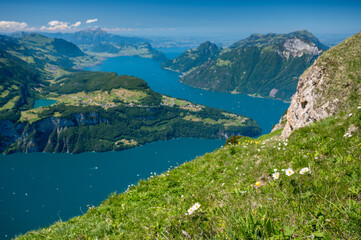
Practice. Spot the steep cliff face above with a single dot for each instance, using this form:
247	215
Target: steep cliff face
78	129
45	135
330	86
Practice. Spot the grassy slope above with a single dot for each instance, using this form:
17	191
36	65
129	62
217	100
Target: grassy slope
342	65
325	203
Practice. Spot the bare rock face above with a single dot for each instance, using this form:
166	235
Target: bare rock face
273	92
296	48
329	86
303	109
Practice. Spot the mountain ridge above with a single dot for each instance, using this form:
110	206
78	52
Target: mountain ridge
260	65
193	58
100	43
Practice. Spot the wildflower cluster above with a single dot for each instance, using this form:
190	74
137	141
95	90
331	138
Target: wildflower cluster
193	208
289	172
250	141
282	145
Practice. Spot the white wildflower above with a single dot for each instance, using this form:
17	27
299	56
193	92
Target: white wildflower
196	206
190	211
289	171
304	170
275	170
276	175
193	208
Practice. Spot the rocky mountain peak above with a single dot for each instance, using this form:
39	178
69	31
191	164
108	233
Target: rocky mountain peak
296	47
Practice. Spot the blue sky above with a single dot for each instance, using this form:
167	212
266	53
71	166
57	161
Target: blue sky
197	17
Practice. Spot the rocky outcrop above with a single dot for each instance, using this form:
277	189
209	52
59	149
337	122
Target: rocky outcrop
295	47
303	110
331	85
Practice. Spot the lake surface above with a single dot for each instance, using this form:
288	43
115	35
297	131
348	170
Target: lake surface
38	189
173	52
43	103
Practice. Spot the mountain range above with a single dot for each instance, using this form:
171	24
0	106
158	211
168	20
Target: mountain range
99	42
260	65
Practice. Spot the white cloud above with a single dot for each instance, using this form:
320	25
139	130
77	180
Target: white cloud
77	24
55	23
91	20
60	26
12	26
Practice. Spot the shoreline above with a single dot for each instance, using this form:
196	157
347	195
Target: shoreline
182	74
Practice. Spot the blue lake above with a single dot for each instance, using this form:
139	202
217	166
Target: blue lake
173	52
38	189
43	103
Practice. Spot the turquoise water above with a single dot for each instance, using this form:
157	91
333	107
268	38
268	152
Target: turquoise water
38	189
43	102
